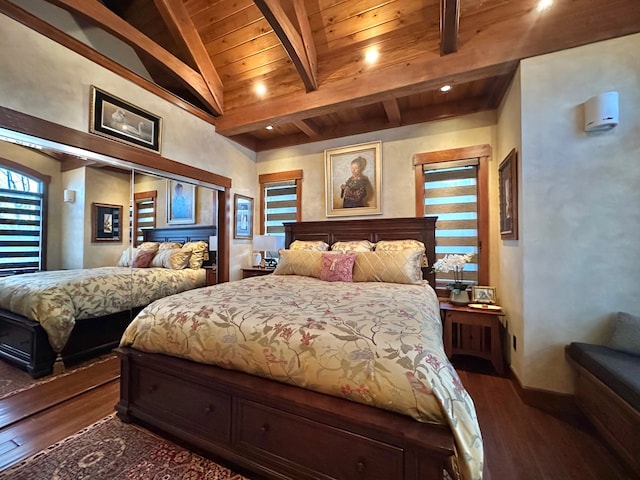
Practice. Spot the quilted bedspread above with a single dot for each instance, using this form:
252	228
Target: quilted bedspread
56	299
375	343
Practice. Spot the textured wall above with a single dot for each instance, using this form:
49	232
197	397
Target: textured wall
580	215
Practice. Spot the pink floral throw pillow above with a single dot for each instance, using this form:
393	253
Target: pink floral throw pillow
337	267
143	258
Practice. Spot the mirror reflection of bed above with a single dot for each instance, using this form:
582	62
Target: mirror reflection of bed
71	246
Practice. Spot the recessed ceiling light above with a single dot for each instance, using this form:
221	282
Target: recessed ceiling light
371	55
544	4
445	88
269	127
261	90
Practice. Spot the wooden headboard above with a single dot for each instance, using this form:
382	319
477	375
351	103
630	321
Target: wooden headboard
419	228
182	234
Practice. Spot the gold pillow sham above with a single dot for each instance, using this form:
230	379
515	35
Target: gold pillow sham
319	246
353	246
401	266
307	263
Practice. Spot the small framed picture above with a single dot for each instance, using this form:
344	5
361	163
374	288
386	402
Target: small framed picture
243	217
106	222
181	202
480	294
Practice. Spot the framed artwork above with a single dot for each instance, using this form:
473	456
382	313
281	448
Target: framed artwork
508	184
480	294
242	216
353	179
106	222
118	120
181	202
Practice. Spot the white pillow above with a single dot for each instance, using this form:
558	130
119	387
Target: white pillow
127	255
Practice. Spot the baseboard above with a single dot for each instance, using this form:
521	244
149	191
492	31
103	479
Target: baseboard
552	402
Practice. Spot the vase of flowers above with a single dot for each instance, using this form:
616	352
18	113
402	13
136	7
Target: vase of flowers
455	264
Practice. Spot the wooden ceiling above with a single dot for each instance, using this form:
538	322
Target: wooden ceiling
309	56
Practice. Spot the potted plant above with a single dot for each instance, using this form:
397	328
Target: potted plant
455	264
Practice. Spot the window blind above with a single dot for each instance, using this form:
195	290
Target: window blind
21	229
280	206
144	215
451	193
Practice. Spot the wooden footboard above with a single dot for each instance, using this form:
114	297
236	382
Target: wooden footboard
25	344
276	430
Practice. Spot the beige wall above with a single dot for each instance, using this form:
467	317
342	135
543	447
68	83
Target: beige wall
110	188
509	252
398	147
51	82
580	199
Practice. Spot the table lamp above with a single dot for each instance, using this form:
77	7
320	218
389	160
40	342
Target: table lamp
263	244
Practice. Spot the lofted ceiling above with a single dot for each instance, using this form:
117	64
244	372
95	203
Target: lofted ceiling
309	56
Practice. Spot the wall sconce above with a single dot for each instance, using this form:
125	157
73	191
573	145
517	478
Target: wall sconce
69	196
265	243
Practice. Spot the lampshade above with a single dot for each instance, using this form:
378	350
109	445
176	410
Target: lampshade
213	243
266	243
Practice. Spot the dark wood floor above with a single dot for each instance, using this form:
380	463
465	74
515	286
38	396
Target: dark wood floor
521	442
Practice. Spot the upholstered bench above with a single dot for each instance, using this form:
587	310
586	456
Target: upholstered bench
608	393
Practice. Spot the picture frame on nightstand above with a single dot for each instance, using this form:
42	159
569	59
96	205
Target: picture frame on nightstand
483	294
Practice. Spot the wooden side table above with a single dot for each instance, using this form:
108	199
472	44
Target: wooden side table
212	274
256	271
473	331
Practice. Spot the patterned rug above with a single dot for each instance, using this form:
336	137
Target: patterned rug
110	450
14	380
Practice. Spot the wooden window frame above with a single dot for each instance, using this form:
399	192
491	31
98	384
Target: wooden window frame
482	153
287	176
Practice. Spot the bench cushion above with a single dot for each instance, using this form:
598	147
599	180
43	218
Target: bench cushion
618	370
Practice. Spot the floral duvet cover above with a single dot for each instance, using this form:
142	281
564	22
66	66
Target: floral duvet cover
375	343
56	299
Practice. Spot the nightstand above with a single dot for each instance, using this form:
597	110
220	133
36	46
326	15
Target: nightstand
212	274
256	272
473	331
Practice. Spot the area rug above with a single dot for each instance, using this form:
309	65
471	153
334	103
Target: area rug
13	380
110	450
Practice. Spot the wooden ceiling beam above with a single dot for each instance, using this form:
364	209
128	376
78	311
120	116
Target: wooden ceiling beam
392	110
307	36
438	112
393	82
307	127
291	40
449	23
100	15
177	19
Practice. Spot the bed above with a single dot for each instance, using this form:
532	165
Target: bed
84	311
285	377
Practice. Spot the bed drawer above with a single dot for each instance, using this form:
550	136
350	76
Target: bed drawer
268	432
195	408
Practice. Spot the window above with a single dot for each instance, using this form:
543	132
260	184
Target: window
22	214
281	195
144	214
452	185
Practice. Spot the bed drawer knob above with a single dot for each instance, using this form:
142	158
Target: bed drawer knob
361	467
209	408
264	428
152	388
